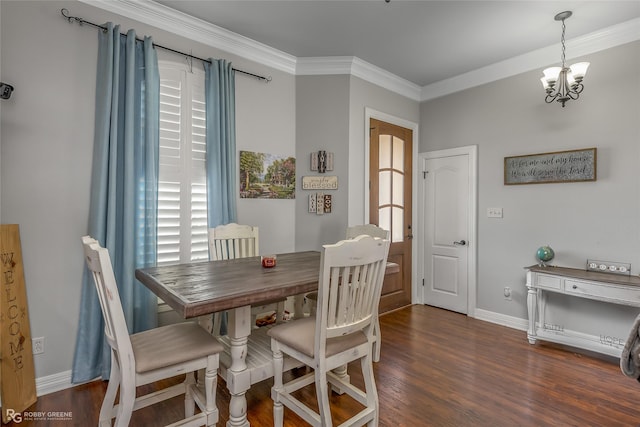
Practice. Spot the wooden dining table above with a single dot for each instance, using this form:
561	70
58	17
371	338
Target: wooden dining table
202	288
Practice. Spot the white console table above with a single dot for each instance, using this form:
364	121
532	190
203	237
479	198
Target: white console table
607	287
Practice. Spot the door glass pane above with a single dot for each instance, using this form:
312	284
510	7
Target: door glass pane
385	152
384	188
384	218
397	227
398	189
398	154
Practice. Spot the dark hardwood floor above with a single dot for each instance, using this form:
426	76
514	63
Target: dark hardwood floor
437	368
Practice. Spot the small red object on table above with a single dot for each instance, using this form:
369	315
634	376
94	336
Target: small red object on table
269	261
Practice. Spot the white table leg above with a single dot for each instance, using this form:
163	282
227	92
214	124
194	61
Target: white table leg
341	372
298	306
532	309
238	377
532	306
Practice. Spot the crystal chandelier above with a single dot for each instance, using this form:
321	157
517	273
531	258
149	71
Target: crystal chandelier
564	83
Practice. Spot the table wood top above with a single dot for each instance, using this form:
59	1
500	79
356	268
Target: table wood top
618	279
199	288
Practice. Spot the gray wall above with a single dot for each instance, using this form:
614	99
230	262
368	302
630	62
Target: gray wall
322	123
46	153
597	220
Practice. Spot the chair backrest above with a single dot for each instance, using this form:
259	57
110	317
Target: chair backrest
232	241
368	229
115	326
350	283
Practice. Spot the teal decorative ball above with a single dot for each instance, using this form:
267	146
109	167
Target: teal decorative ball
545	253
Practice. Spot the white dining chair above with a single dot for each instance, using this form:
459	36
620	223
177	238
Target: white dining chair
368	229
231	241
352	232
150	356
341	332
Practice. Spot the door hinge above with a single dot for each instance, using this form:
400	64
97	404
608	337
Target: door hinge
423	282
424	174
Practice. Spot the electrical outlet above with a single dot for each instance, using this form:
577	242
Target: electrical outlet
38	345
507	293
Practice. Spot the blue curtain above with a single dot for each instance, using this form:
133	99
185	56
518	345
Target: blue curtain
220	110
123	205
220	114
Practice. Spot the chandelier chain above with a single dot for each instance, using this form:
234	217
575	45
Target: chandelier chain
563	47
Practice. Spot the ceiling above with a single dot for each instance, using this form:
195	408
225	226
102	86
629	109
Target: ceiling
423	42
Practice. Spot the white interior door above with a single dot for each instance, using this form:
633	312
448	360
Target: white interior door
449	233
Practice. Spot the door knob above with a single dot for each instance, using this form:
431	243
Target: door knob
460	243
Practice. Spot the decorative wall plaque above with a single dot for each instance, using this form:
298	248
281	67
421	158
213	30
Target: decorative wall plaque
560	166
319	182
320	203
17	371
322	161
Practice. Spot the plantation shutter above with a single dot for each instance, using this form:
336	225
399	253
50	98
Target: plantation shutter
182	199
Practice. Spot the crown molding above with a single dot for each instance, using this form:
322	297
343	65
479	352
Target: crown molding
181	24
606	38
324	65
157	15
385	79
357	67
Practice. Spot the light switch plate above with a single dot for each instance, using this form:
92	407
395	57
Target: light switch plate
494	212
609	267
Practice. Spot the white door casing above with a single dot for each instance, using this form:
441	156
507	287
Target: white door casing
448	217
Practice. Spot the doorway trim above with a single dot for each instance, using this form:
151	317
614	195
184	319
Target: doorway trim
472	152
370	113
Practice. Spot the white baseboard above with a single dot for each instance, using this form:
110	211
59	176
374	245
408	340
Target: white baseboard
502	319
53	383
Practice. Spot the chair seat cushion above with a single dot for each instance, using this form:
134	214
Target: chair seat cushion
172	344
299	335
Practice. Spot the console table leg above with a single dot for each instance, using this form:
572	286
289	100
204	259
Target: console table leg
532	307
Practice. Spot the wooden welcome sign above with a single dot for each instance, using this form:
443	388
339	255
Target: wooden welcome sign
17	375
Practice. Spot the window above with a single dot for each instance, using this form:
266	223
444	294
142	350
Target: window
182	197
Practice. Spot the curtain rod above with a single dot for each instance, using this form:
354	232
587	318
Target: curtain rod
80	21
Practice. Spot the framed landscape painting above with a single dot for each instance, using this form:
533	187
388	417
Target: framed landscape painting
267	176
